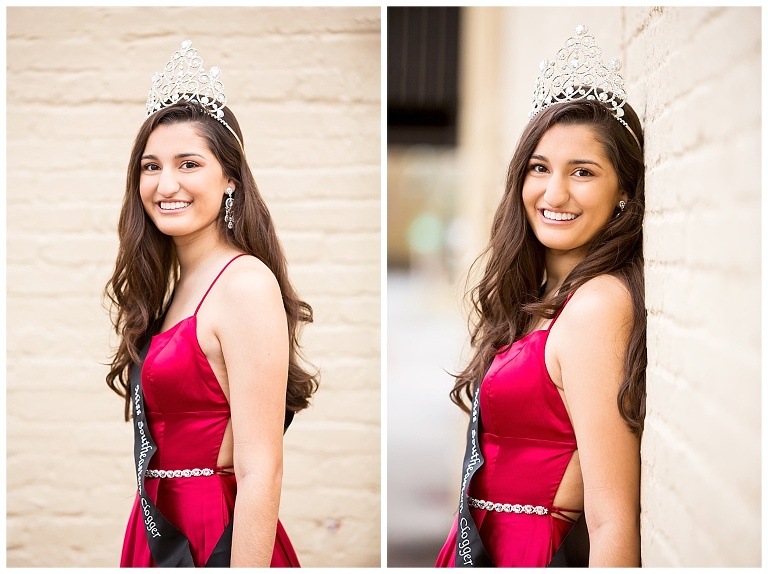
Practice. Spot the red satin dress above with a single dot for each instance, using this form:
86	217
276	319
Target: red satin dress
188	414
527	441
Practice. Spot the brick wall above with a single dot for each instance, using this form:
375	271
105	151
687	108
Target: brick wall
694	77
698	73
305	85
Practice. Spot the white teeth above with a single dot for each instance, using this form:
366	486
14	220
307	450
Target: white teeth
173	204
559	216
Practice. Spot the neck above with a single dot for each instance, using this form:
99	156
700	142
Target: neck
559	265
193	251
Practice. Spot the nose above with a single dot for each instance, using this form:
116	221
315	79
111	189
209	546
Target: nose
167	183
556	192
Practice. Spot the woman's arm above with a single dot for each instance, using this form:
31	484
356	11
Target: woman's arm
254	343
591	344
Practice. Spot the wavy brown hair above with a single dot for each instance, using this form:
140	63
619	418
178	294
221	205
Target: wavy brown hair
146	269
506	302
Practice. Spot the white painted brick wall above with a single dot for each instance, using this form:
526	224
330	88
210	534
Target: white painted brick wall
305	85
699	72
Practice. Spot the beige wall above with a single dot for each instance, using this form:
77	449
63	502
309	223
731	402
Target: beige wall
699	72
693	76
305	85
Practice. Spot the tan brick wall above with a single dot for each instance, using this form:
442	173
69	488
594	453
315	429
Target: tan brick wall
305	85
698	72
694	77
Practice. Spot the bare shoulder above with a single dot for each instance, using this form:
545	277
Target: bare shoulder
602	301
589	340
250	282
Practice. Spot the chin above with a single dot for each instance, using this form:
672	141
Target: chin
566	247
171	230
560	243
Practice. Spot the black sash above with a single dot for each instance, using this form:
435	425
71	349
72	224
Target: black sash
470	552
168	546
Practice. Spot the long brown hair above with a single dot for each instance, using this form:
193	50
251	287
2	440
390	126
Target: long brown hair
146	269
506	304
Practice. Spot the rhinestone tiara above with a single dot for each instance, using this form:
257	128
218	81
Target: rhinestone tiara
185	79
578	73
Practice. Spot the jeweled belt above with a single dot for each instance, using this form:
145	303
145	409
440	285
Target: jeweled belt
186	473
512	508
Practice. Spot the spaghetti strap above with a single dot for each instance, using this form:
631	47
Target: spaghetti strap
561	310
214	281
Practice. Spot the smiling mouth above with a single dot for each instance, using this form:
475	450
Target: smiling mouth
173	205
558	216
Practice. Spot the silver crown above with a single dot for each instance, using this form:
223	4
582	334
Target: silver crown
185	79
578	73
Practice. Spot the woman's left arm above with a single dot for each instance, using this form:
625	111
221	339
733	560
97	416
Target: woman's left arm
593	340
254	343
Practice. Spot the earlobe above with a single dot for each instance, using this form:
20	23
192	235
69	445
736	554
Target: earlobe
229	183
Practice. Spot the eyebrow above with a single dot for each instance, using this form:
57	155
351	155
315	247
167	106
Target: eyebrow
570	161
177	156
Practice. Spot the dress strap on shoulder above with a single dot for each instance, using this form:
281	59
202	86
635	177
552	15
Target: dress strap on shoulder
561	310
214	281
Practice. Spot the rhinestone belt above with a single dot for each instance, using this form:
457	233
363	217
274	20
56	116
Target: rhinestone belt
186	473
512	508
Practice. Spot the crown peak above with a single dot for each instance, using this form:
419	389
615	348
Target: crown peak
184	79
578	73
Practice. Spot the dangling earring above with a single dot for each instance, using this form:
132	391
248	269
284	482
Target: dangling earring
622	205
228	218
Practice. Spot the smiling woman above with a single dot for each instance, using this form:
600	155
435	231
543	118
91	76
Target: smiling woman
571	189
180	176
556	385
208	324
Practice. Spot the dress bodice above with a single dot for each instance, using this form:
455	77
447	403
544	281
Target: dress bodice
526	435
527	441
186	407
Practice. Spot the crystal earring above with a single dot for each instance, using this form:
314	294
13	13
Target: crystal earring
228	218
622	205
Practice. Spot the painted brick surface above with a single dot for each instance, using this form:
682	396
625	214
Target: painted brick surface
698	70
305	85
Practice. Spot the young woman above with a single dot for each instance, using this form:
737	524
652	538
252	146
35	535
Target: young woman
208	358
558	373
